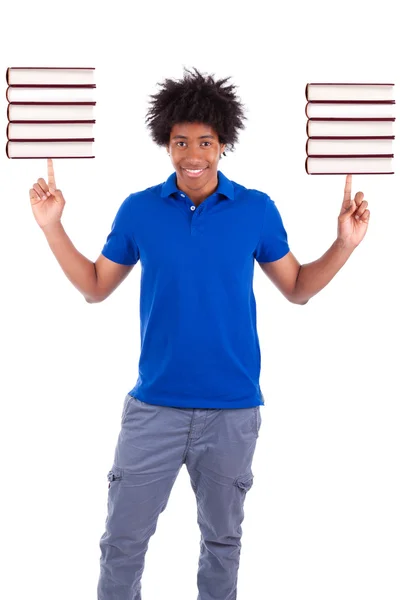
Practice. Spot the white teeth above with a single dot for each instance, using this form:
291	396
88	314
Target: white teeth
194	171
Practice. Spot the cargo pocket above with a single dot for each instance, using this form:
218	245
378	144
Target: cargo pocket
245	482
114	475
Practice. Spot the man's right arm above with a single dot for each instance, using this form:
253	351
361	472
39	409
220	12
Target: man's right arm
95	281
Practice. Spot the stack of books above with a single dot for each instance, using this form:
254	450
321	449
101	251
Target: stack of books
349	128
50	112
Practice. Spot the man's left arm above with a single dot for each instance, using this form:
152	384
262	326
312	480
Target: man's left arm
298	283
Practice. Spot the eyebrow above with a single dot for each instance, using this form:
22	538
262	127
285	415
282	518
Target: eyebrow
200	137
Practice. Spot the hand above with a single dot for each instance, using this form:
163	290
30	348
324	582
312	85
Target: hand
353	218
46	201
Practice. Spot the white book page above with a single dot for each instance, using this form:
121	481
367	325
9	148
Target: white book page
350	92
349	165
49	149
47	76
51	94
365	146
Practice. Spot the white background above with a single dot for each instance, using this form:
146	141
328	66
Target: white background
322	519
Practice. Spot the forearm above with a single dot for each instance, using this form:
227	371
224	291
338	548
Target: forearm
80	271
314	276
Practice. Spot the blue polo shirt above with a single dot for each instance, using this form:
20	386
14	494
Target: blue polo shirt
199	341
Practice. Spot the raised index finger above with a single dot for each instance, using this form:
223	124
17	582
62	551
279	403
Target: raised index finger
347	192
51	182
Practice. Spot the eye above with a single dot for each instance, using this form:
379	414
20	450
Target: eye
177	143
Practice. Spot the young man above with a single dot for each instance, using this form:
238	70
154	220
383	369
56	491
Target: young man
197	397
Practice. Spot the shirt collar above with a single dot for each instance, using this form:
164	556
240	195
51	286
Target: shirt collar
225	186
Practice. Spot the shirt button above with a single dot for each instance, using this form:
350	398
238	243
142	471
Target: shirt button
183	195
192	208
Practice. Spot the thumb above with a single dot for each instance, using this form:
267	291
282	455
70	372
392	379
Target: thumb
58	195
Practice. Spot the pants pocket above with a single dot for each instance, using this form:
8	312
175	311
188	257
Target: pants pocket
257	420
245	482
114	475
127	401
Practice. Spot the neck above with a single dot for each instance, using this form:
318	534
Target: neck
199	195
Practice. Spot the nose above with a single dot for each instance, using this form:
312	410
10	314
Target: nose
194	159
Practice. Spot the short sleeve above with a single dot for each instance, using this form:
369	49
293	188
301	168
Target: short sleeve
120	245
273	243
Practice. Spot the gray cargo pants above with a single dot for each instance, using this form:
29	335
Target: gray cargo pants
217	446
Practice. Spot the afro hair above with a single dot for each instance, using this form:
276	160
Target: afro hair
196	99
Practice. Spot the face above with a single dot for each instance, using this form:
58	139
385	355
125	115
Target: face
195	146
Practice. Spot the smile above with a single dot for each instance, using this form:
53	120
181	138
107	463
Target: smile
194	172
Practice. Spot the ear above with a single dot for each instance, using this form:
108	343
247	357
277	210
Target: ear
223	146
